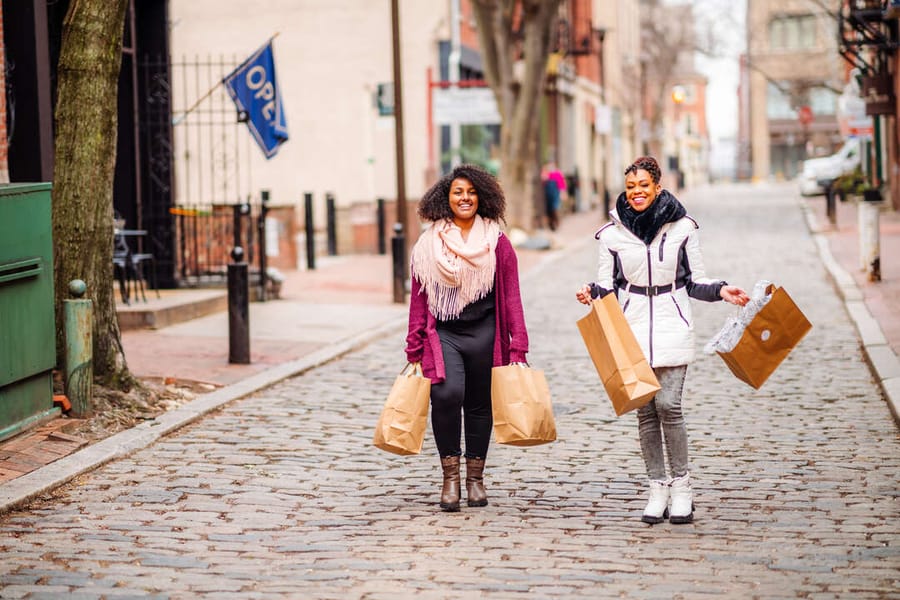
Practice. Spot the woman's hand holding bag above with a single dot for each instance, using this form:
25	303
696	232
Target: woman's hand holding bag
404	418
520	398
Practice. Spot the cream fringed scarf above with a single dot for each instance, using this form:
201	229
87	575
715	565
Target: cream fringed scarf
454	272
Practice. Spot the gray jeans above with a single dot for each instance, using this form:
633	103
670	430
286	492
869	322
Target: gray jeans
660	422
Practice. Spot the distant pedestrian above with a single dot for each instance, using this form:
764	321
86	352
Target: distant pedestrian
554	183
650	258
465	317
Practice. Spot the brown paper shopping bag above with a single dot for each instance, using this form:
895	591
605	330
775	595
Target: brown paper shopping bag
404	418
629	381
768	339
520	398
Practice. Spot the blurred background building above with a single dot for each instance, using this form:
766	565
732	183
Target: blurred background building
622	81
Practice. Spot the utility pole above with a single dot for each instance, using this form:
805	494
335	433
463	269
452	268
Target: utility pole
453	71
400	267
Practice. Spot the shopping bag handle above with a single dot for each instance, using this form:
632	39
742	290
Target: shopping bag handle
416	369
524	365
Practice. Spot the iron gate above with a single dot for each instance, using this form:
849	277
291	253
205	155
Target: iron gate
205	161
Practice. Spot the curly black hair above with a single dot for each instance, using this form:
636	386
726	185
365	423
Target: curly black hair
647	163
435	204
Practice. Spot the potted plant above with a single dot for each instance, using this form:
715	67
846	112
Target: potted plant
857	184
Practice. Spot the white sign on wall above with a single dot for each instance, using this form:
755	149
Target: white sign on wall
603	119
273	245
465	106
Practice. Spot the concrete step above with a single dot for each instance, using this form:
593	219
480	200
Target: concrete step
172	306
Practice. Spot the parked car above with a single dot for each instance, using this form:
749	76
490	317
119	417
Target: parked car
817	170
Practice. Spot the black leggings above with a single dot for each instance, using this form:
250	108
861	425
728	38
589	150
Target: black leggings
468	348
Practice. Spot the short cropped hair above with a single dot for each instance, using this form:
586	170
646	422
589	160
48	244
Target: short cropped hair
435	204
647	163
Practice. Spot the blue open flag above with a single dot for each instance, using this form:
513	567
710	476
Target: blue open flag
254	89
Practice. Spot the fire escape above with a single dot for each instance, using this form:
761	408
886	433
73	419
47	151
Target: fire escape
868	39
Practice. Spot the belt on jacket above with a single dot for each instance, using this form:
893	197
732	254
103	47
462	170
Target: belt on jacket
652	290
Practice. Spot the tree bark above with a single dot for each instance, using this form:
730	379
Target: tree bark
86	123
515	38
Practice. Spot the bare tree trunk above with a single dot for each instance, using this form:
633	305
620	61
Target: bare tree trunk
86	124
515	42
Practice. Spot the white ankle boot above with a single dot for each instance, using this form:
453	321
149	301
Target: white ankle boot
682	510
657	508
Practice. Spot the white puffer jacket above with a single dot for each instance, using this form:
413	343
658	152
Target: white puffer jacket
654	283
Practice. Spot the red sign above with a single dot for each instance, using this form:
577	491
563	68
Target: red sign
805	115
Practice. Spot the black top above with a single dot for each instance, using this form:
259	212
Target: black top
476	310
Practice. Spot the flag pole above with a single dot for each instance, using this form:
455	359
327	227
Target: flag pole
181	117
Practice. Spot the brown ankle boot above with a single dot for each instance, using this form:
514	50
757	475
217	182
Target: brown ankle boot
475	494
450	491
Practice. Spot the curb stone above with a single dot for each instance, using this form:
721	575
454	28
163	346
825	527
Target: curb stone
882	361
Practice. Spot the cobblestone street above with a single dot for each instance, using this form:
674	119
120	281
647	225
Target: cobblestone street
282	495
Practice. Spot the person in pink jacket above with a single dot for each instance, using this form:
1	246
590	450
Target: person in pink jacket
465	317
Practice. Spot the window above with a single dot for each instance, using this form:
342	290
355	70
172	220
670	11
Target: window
778	104
823	101
792	32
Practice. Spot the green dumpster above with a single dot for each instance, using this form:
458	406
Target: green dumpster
27	326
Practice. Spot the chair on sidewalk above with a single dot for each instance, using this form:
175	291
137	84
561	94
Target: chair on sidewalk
120	271
138	260
128	267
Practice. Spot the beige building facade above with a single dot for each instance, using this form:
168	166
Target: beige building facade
334	63
793	77
332	59
622	92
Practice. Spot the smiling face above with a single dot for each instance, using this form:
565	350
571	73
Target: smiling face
640	190
463	202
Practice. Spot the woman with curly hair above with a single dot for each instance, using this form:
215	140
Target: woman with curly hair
465	317
650	259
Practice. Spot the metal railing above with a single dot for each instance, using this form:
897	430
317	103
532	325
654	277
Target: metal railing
207	235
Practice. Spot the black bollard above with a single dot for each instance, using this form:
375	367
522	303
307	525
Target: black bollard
398	252
380	219
238	309
237	221
830	208
331	224
261	236
310	232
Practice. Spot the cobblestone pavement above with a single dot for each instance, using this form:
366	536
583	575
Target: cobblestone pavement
281	494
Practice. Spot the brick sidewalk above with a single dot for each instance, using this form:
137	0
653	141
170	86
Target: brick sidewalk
881	298
36	448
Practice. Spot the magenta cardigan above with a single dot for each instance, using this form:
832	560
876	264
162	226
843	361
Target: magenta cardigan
510	337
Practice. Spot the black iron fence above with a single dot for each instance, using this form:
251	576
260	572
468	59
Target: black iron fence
207	236
215	207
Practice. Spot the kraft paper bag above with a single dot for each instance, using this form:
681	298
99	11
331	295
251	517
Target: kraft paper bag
523	414
768	339
629	381
404	418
